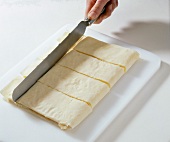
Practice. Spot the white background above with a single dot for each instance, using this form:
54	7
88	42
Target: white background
24	24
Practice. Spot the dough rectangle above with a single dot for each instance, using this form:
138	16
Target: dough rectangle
66	111
75	84
92	67
111	53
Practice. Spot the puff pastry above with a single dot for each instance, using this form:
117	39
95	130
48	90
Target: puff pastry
30	68
66	111
75	84
92	67
8	90
69	91
111	53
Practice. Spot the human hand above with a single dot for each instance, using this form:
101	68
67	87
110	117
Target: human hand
94	8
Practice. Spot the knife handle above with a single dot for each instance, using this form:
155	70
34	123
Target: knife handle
92	21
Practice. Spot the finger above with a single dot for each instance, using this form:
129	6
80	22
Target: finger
117	3
108	11
96	9
99	20
109	8
89	5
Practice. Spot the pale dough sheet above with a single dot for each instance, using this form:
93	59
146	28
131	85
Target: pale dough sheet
33	65
43	56
30	68
59	40
92	67
66	111
111	53
69	91
75	84
62	37
8	90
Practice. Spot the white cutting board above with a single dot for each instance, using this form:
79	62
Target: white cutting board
17	125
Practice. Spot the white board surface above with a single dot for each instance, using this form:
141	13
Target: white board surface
17	125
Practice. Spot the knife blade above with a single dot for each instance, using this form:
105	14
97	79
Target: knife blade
52	58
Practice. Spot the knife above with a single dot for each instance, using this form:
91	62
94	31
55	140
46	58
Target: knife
52	58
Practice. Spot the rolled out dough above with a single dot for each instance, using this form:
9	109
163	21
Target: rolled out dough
92	67
30	68
66	111
69	91
8	90
75	84
111	53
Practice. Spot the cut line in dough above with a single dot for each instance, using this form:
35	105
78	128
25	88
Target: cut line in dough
124	68
88	76
66	111
75	84
112	53
67	94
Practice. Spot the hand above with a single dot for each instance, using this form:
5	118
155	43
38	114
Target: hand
94	8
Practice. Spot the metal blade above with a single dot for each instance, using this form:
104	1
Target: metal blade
50	60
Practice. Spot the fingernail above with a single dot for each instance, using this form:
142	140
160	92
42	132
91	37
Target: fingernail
111	7
115	3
